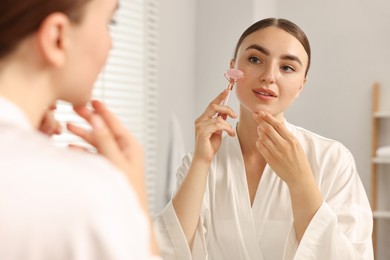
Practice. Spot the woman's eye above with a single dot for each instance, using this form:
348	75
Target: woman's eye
287	68
254	60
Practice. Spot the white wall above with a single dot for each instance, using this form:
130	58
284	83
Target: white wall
176	79
264	9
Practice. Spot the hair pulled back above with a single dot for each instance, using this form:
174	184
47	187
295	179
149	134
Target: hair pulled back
20	18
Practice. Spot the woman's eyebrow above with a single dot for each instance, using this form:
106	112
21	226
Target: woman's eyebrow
259	48
268	53
291	57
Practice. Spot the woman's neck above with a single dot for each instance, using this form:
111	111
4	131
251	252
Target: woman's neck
247	133
29	90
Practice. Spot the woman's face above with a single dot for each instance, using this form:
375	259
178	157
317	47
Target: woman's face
274	64
88	48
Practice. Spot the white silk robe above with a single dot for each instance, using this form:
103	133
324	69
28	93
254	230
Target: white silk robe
61	204
229	228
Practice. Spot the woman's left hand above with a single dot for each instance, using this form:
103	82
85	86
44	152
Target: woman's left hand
281	150
288	160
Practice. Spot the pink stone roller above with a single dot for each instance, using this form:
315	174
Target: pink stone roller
232	75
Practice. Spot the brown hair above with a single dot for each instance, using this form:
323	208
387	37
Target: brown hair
20	18
283	24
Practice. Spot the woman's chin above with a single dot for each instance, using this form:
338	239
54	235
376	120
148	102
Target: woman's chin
79	101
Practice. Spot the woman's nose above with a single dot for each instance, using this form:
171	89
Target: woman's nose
268	75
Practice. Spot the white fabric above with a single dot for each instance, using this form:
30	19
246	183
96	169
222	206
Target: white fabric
176	152
229	228
62	204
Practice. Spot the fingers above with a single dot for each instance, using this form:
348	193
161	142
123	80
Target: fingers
270	142
49	125
126	141
57	129
109	118
215	108
212	121
220	97
214	126
275	140
99	137
278	126
80	148
84	112
104	140
81	132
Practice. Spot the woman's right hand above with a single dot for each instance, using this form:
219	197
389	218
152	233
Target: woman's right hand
209	127
187	200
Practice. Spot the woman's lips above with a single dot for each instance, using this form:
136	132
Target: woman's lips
264	94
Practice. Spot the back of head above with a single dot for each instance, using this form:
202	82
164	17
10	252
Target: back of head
20	18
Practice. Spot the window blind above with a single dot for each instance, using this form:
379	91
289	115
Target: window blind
128	83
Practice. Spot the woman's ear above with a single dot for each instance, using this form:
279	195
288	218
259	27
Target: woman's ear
304	82
301	87
52	39
232	64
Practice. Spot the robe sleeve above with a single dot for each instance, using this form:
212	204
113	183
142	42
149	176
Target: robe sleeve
341	228
169	233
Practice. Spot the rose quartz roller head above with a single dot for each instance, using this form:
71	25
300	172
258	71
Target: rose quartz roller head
232	75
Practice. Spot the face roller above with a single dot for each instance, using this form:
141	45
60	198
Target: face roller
232	75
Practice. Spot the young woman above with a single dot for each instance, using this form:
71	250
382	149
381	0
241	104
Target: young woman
268	189
57	203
